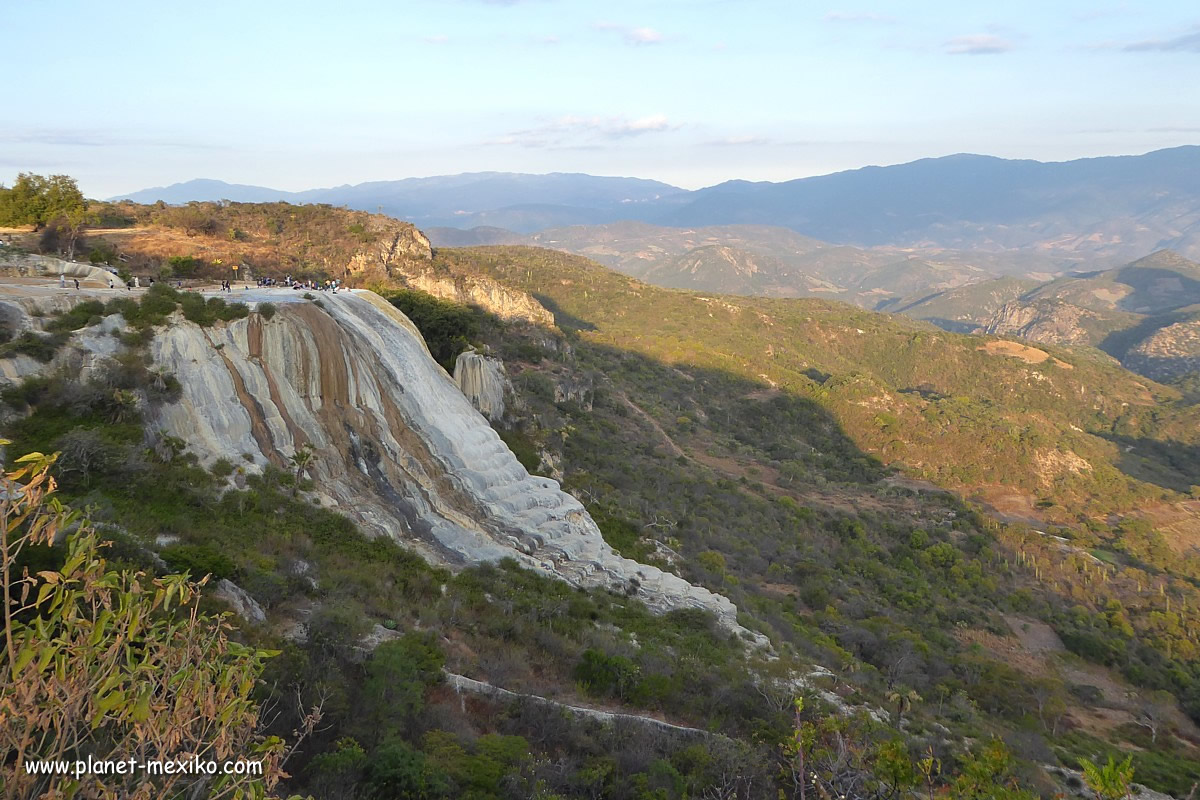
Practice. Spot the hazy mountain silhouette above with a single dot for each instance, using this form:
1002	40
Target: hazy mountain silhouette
1117	207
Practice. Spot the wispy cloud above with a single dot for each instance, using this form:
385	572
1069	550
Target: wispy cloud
1187	43
86	137
1174	129
858	16
438	38
637	36
576	132
978	44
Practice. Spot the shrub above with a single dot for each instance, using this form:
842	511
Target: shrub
184	266
448	327
198	560
36	346
222	468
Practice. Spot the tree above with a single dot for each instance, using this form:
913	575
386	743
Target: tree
903	701
36	200
1153	712
337	773
73	685
397	770
301	460
71	223
398	674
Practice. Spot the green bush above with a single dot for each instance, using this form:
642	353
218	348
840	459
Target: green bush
36	346
222	468
184	266
198	560
448	327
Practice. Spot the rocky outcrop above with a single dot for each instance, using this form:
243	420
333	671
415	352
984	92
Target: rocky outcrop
399	448
1049	323
1169	351
86	351
397	244
17	264
240	601
507	304
483	380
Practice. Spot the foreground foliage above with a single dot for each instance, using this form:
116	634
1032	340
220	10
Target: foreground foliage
108	665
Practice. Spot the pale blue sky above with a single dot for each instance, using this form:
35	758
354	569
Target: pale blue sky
302	94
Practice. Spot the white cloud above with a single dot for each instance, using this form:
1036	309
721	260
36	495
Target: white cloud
440	38
575	132
644	36
977	45
636	36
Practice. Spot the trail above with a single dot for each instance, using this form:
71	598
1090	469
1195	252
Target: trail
461	683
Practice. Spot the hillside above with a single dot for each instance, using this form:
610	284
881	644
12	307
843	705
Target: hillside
745	410
1142	314
956	410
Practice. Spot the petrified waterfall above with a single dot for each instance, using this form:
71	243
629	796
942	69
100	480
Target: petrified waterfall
483	381
399	447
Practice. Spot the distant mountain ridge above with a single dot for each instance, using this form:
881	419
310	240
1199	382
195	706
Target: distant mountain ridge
1116	207
555	198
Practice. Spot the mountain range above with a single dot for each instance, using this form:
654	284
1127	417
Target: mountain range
1118	207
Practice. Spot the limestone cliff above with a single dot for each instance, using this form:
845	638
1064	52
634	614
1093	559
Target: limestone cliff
399	447
394	244
508	304
401	253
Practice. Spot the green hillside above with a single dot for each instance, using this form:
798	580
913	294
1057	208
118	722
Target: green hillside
741	442
949	408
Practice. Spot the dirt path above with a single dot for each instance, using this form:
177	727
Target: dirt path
461	683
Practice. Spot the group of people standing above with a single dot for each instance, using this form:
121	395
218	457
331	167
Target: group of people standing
320	286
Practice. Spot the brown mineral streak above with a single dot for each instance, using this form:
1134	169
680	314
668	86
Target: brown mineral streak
258	423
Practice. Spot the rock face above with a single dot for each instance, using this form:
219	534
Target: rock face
85	351
397	243
399	447
483	380
242	603
508	304
1169	351
1049	323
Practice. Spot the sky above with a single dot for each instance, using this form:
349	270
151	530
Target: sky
298	94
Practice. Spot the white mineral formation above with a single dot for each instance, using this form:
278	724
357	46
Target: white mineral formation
483	380
399	447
